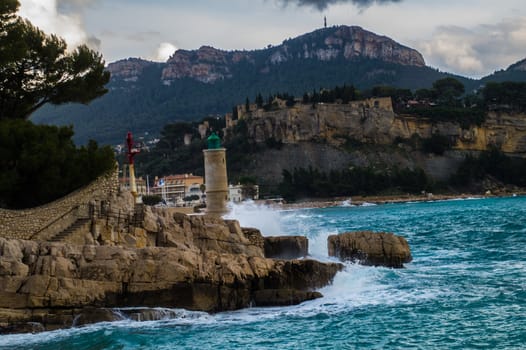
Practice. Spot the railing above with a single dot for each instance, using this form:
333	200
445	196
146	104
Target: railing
82	211
123	218
127	219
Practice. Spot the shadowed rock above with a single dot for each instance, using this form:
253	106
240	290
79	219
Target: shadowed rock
283	297
370	248
286	247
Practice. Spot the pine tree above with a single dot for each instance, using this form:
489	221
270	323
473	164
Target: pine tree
35	68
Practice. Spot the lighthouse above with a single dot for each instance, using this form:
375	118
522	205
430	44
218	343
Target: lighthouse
215	176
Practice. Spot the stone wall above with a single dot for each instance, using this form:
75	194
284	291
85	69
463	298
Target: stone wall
42	222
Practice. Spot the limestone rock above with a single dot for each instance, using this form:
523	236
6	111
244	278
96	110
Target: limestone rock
254	236
129	69
93	315
370	248
58	285
286	247
302	274
209	65
168	260
283	297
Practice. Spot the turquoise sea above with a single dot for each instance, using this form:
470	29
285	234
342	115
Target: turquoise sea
465	289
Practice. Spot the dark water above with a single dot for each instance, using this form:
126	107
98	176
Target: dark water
465	289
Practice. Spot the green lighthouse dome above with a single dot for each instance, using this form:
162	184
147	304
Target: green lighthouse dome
214	142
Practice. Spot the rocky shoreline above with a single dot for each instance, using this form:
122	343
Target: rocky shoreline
107	270
378	200
162	258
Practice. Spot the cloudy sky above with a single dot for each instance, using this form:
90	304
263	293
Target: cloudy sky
467	37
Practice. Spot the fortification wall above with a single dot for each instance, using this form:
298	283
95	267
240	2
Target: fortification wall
43	221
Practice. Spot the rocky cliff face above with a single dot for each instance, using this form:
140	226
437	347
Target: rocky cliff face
209	65
354	42
361	121
334	136
129	69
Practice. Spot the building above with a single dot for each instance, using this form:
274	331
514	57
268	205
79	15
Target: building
175	188
239	193
140	183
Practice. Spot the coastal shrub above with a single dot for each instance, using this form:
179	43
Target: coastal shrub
151	199
436	144
508	170
466	117
272	143
193	197
40	163
505	95
310	182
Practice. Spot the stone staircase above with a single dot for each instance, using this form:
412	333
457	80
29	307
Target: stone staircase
72	229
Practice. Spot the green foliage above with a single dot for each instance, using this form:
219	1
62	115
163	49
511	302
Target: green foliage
389	91
343	94
494	163
35	68
247	180
436	144
448	91
147	104
505	95
305	183
351	143
259	100
173	134
41	163
171	155
151	199
466	117
271	142
271	106
425	94
193	197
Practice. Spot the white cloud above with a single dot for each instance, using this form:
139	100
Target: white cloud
476	51
45	15
164	51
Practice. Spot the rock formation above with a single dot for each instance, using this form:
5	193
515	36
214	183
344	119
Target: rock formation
373	121
168	260
209	65
286	247
370	248
129	69
329	137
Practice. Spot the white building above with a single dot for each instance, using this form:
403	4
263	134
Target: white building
238	193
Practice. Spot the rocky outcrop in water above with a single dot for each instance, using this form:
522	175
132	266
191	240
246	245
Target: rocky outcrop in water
370	248
286	247
191	262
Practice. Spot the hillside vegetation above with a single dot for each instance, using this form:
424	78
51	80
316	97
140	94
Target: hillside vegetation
446	95
144	96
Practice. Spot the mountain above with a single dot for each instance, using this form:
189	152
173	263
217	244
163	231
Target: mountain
144	96
515	72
